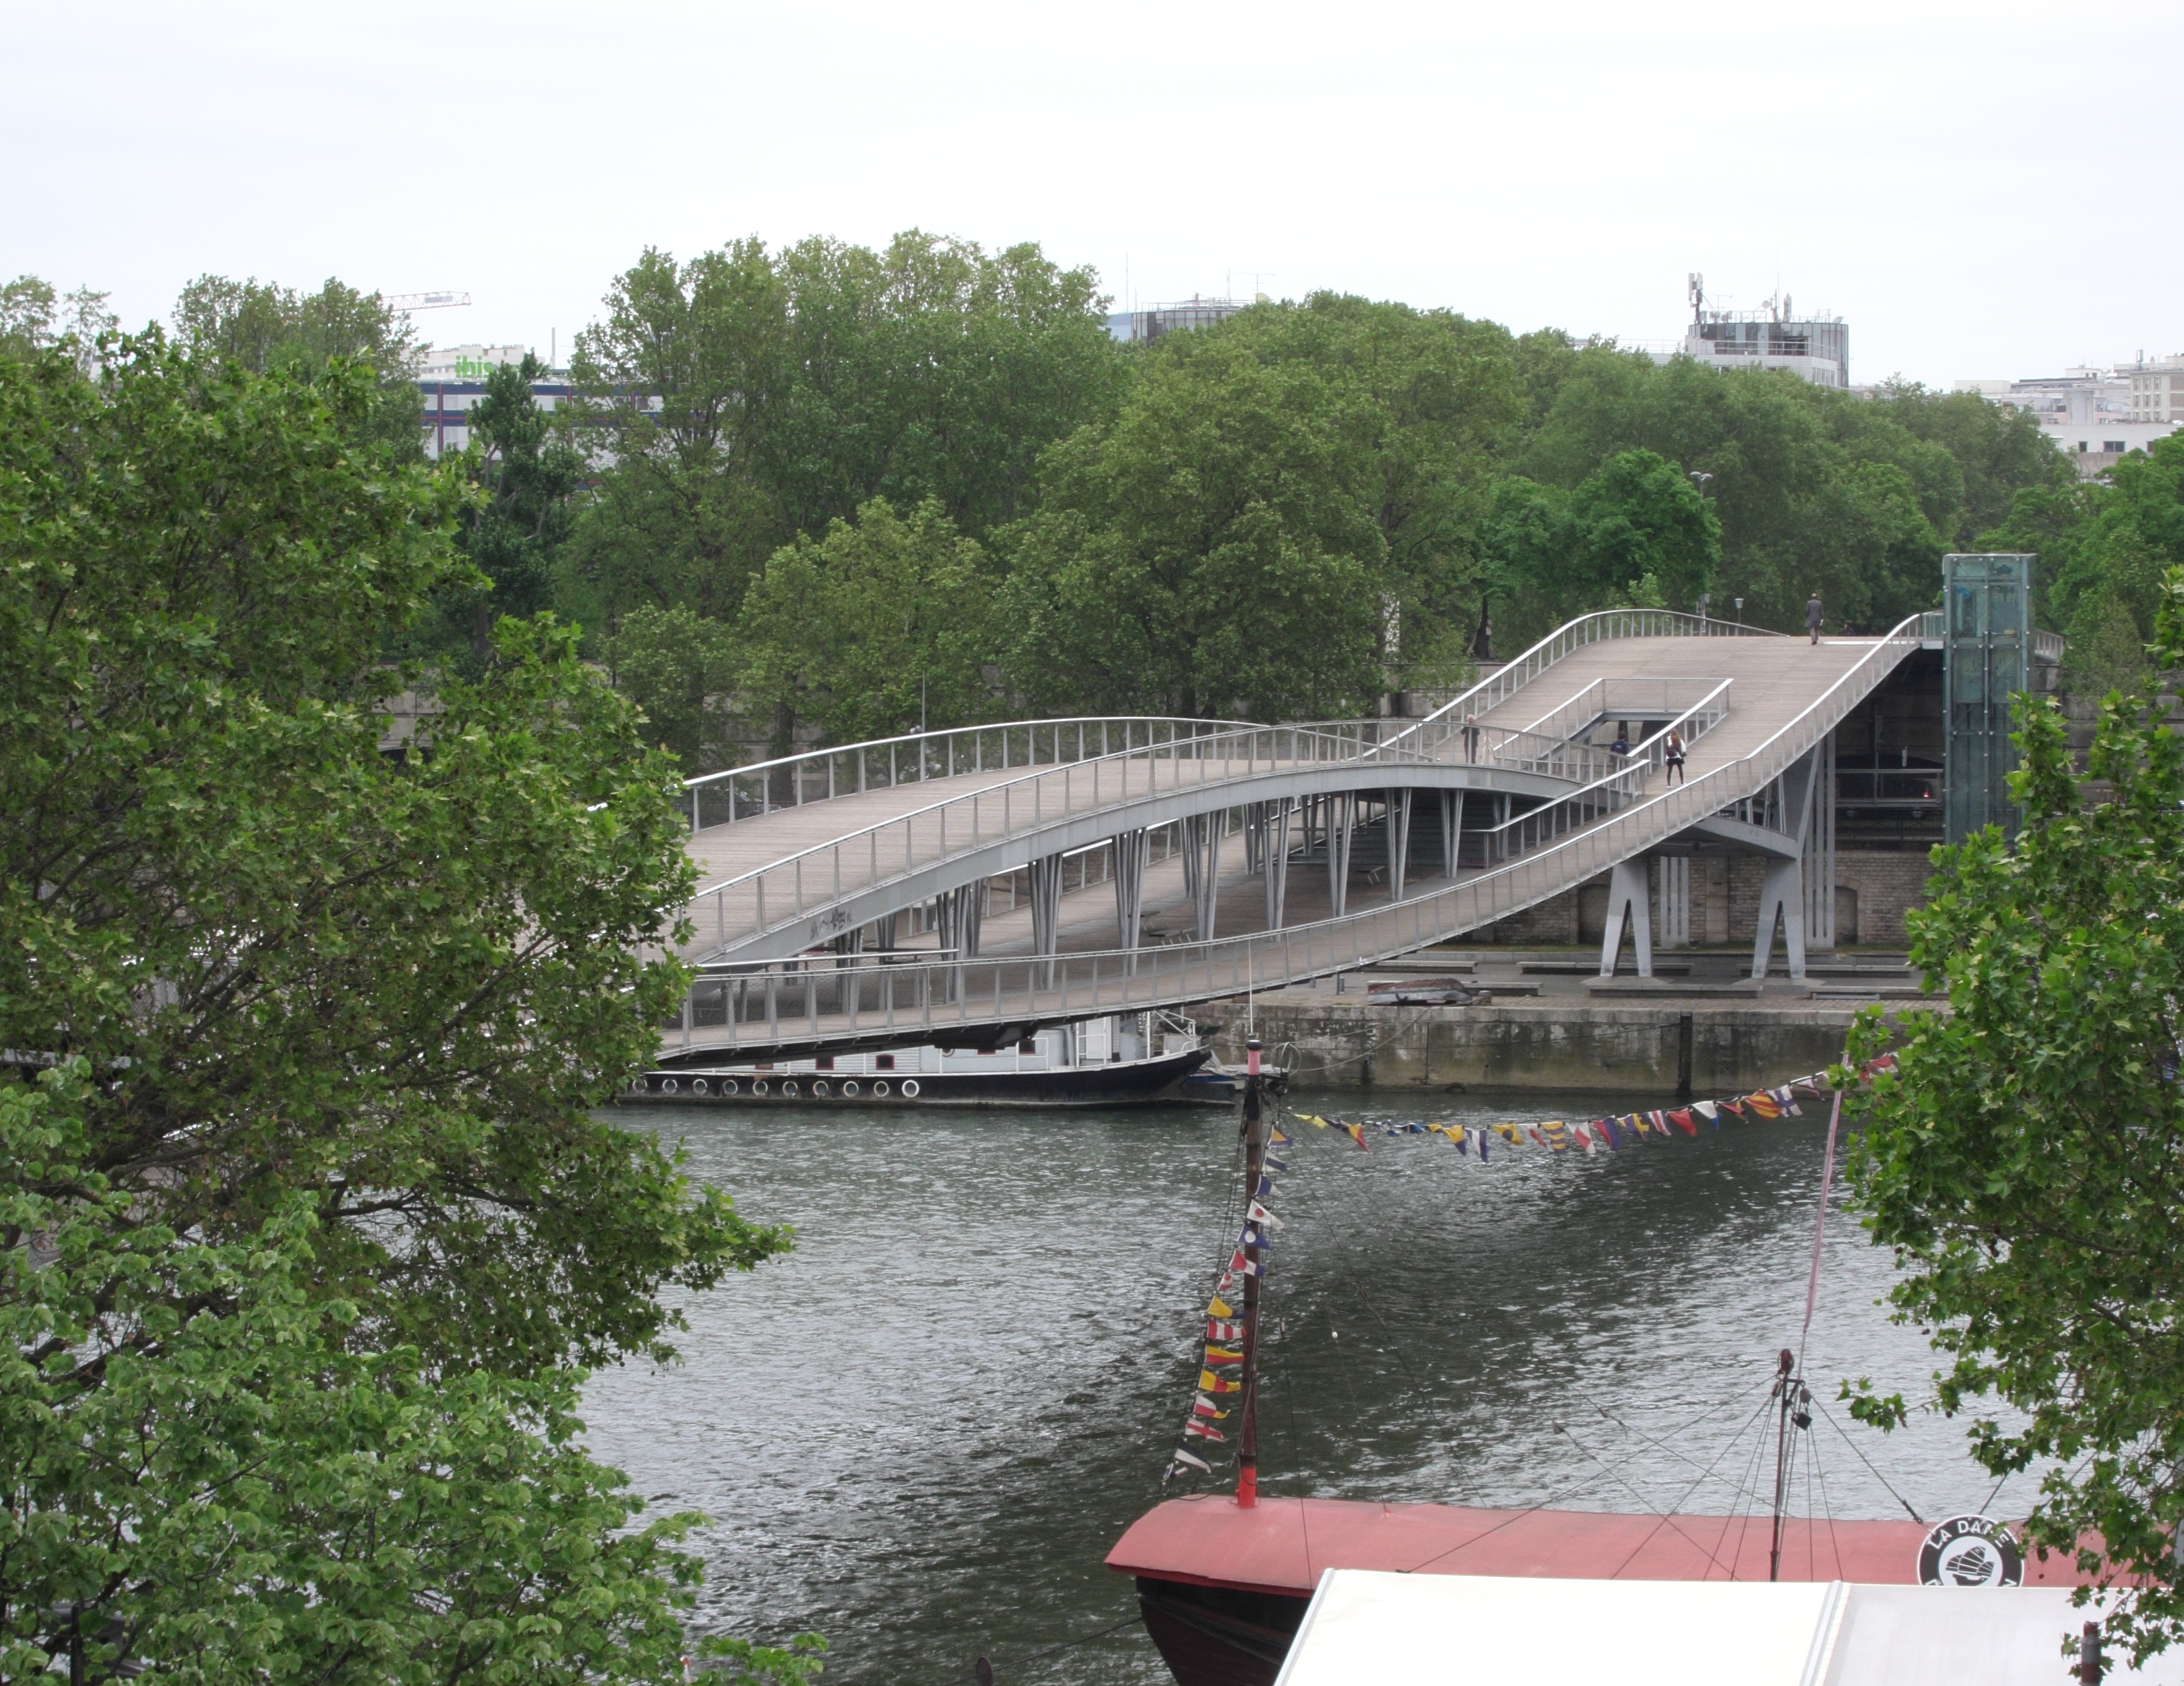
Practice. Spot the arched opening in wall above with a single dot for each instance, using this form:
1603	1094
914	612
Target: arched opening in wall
1592	912
1845	914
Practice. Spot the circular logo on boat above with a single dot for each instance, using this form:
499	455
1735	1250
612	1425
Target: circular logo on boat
1970	1552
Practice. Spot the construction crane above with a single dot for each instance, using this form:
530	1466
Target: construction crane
423	301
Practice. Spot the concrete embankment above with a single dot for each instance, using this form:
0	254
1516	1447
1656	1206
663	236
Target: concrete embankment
1624	1036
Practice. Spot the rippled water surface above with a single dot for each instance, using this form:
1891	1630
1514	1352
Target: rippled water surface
921	1432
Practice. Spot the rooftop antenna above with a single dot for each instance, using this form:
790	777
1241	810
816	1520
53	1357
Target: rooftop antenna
1695	291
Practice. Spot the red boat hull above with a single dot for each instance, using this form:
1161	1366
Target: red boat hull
1223	1589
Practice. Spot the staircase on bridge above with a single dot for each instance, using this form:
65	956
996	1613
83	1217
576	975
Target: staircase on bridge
965	886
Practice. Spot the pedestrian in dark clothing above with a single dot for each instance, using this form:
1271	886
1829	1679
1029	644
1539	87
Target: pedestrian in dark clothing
1673	752
1621	747
1812	616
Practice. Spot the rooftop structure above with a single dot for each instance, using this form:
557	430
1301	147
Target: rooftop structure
1814	349
1142	327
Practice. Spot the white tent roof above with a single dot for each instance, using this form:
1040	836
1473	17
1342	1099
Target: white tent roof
1367	1626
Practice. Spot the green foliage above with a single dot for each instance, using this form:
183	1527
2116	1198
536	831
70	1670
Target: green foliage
681	669
1638	531
34	318
1814	489
295	962
264	1491
1434	396
2102	545
528	474
266	329
2026	1162
752	398
1213	548
861	631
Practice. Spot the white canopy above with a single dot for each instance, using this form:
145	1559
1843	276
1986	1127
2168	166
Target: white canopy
1366	1626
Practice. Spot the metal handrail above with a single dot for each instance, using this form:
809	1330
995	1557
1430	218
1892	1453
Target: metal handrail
1602	624
1016	989
1603	794
919	839
945	748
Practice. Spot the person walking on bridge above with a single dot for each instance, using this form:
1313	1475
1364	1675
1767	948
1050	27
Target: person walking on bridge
1672	751
1812	616
1471	738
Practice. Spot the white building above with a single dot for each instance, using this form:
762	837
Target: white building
1813	348
2157	389
2096	415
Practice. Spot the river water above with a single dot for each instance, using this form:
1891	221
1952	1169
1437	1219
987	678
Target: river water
921	1432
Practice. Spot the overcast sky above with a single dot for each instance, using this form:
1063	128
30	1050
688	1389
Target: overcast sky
1978	189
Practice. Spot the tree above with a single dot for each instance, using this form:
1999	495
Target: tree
293	960
528	474
1815	489
214	1468
872	628
1212	550
265	328
681	668
33	317
1435	394
2027	1161
675	390
1638	530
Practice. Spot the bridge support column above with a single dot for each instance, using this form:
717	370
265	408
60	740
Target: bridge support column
1201	868
1275	845
1626	894
1045	912
1672	914
1451	833
1399	840
1341	810
1131	851
1781	894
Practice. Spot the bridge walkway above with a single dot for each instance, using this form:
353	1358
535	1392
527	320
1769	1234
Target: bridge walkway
1754	708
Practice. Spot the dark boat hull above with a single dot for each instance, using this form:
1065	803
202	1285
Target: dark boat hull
1219	1636
1128	1083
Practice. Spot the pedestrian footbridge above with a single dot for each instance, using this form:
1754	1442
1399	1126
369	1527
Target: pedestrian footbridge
966	886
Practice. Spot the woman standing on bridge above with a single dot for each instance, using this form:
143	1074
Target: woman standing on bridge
1672	751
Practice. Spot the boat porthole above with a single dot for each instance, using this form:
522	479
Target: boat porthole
910	1088
668	1085
880	1089
699	1086
819	1090
788	1091
728	1086
760	1086
849	1090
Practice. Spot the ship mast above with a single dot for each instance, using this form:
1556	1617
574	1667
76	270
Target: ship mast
1791	1396
1254	1160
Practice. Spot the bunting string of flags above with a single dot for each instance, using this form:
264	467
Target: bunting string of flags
1221	1366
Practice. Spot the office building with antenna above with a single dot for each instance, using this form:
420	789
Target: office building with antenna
1814	349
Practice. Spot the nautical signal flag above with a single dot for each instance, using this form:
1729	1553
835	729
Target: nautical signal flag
1208	1382
1203	1406
1203	1431
1218	1307
1223	1355
1507	1132
1764	1104
1356	1133
1557	1134
1681	1118
1199	1464
1258	1213
1221	1329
